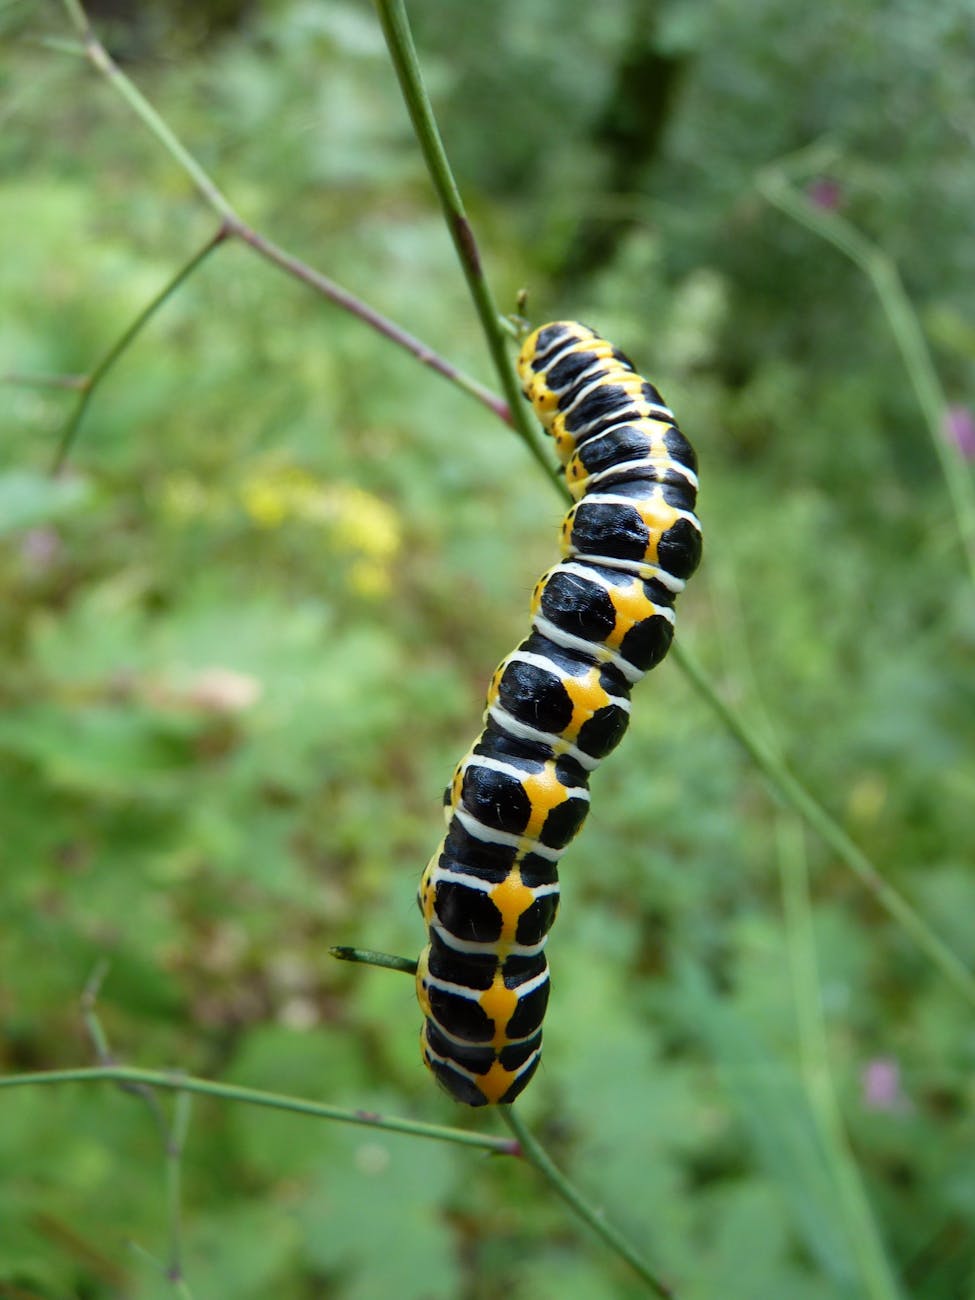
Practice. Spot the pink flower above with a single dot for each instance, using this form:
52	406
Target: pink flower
881	1084
825	193
960	429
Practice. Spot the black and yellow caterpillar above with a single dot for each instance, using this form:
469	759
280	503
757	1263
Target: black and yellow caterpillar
556	706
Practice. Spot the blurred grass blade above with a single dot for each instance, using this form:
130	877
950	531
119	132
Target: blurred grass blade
884	277
796	796
878	1280
771	1103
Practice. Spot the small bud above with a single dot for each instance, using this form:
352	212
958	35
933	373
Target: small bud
825	193
960	429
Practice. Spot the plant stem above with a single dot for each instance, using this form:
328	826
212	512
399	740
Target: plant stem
369	958
537	1156
69	382
173	1132
402	51
878	1280
514	412
254	1097
233	225
531	1148
103	1053
175	1145
796	796
91	381
374	319
106	65
884	276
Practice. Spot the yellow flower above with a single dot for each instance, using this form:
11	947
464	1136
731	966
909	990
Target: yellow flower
367	578
355	520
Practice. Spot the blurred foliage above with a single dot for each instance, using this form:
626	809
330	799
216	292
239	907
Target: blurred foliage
245	639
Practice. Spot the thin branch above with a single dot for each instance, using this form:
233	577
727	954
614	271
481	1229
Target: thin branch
138	1249
402	50
884	276
103	1054
537	1156
233	225
786	785
175	1145
70	382
878	1280
814	1060
399	40
58	44
367	957
182	1290
91	381
173	1082
374	319
173	1132
797	797
531	1148
100	59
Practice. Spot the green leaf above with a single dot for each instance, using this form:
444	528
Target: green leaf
375	1215
772	1106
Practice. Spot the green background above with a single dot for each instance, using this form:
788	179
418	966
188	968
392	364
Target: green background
245	639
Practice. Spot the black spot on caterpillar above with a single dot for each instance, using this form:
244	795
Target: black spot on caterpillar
556	706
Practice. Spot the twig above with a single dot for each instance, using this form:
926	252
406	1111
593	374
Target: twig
99	1042
180	1284
174	1082
369	958
878	1280
797	797
173	1132
884	276
100	59
531	1148
17	380
374	319
90	382
788	787
865	1238
399	40
537	1156
175	1144
233	225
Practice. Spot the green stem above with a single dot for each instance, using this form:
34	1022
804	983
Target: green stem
128	336
369	316
878	1280
175	1144
69	382
255	1097
369	958
402	50
796	796
233	225
173	1131
106	65
399	39
531	1148
537	1156
103	1053
902	319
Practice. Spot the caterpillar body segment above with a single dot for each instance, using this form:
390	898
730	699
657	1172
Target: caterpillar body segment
556	706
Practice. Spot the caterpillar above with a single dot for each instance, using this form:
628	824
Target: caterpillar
556	706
